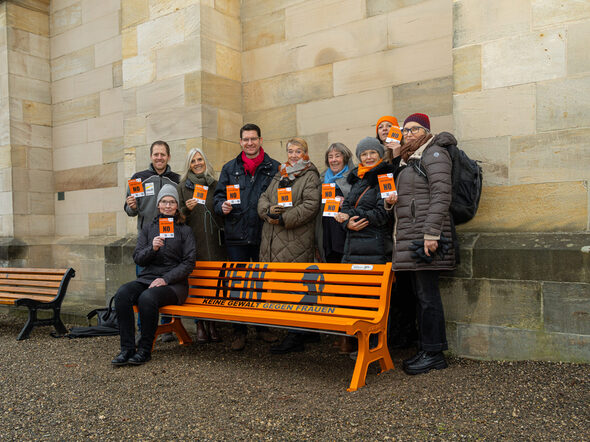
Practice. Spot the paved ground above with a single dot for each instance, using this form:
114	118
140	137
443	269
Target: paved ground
62	389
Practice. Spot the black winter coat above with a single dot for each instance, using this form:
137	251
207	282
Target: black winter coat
243	226
372	245
173	262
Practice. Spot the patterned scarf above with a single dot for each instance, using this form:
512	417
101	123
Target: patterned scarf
291	172
412	146
362	169
250	164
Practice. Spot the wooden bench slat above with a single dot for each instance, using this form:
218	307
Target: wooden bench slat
6	301
37	291
333	278
15	296
29	283
279	286
33	271
375	269
196	295
29	277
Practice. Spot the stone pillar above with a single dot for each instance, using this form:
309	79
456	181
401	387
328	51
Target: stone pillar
26	175
181	80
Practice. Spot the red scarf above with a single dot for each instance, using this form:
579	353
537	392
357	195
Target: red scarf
362	169
250	164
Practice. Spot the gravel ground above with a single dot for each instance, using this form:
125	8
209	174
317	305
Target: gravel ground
66	389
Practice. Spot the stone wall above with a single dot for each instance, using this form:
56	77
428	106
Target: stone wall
521	82
327	70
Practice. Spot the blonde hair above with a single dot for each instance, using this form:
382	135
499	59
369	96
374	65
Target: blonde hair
298	142
209	171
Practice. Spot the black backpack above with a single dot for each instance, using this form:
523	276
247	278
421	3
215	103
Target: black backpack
106	323
467	182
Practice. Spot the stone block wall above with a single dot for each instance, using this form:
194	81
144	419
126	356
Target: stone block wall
327	70
521	82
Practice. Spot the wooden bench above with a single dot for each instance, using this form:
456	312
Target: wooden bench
342	299
36	289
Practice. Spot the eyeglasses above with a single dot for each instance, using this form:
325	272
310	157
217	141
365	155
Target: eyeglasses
168	203
414	130
250	140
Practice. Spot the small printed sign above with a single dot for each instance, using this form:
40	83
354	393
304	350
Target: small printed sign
200	193
285	197
362	267
149	189
328	191
167	227
394	135
233	193
386	185
136	188
331	207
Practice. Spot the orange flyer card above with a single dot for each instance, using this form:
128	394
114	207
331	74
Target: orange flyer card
331	207
285	196
136	187
386	185
167	227
395	135
328	191
233	193
200	193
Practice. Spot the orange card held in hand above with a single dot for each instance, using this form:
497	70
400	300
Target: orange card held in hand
233	193
167	227
200	193
386	185
328	191
395	135
136	187
285	196
331	207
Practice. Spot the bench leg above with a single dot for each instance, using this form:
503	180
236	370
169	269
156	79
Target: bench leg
176	327
60	328
366	356
26	331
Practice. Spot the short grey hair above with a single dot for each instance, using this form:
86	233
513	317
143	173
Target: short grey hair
339	147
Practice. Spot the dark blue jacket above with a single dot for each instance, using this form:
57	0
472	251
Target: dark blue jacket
243	225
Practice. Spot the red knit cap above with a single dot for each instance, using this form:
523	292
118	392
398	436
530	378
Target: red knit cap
421	119
389	118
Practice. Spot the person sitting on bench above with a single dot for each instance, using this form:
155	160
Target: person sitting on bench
166	250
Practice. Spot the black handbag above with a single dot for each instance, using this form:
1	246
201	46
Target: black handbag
106	323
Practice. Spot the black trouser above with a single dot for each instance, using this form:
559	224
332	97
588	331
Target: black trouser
243	254
148	302
401	330
431	317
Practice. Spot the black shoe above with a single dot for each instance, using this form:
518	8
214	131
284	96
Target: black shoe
293	342
139	358
123	357
426	362
413	359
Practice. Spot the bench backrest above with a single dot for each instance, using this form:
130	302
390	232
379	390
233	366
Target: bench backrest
37	284
338	290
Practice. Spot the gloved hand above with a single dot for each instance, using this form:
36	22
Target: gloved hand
418	254
276	210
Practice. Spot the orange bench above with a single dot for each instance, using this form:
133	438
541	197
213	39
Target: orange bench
36	289
342	299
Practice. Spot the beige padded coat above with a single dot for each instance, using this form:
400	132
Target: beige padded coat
294	239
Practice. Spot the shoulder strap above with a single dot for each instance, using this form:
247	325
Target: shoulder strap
359	199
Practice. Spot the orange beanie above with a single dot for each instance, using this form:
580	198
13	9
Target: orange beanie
391	119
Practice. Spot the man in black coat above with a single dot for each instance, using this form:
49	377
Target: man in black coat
252	170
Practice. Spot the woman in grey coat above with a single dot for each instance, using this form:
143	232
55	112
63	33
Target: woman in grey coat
423	232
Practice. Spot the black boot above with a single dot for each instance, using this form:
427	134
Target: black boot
123	357
292	342
141	357
426	362
413	359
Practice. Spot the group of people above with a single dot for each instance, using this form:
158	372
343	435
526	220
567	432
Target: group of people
410	227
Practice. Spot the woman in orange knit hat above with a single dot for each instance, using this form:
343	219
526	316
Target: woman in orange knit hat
392	149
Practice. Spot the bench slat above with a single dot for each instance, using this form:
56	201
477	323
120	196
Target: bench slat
33	271
37	291
375	269
15	296
328	278
30	277
299	288
29	283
